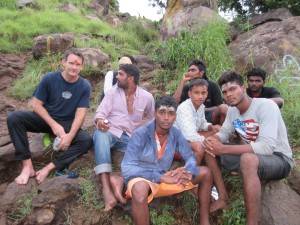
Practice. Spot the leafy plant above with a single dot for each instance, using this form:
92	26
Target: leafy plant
235	214
164	219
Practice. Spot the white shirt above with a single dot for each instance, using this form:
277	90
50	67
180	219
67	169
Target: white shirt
189	121
108	80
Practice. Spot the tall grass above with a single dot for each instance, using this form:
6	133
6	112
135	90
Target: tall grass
209	45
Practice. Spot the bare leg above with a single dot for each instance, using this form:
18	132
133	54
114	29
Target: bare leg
204	181
109	198
219	114
221	203
26	172
43	173
117	184
198	151
139	205
252	187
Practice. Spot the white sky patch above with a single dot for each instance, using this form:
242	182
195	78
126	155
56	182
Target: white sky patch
139	8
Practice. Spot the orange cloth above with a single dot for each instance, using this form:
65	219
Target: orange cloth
160	151
159	190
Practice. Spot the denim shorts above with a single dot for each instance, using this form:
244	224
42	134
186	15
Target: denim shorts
271	167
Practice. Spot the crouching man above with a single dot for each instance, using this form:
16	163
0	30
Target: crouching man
147	161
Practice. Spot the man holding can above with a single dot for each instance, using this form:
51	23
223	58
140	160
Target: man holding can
118	115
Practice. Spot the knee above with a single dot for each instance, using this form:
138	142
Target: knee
12	118
140	193
223	109
249	162
205	173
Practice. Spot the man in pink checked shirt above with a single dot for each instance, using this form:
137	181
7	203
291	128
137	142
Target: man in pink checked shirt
118	115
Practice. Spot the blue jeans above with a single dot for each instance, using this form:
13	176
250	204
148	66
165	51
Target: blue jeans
103	143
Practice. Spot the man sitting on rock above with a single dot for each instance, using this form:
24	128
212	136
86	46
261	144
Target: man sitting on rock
148	159
215	110
263	153
59	105
118	115
256	80
190	120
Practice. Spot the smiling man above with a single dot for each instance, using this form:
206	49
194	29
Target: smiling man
59	105
147	161
263	153
256	81
118	115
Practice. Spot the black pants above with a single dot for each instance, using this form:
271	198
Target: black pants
19	122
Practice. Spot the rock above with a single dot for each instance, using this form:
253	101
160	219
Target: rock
264	45
144	63
23	3
69	8
294	178
113	20
279	204
13	192
190	19
94	57
92	17
51	43
273	15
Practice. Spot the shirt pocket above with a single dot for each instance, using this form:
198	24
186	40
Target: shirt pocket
137	115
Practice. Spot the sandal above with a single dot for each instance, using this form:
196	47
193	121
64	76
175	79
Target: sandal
67	174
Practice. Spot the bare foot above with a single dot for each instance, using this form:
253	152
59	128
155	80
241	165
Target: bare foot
24	176
117	184
41	175
109	200
218	204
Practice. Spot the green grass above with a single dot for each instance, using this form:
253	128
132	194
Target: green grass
22	206
165	218
210	45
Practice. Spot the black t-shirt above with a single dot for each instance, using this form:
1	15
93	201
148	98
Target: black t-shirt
214	97
266	92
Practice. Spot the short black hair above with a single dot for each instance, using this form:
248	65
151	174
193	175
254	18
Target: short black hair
166	101
197	82
131	70
230	76
201	66
74	51
257	72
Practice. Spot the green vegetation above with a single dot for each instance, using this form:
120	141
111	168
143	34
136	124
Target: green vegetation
22	207
165	218
210	45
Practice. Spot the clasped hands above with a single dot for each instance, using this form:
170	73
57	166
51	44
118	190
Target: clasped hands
179	176
66	138
212	146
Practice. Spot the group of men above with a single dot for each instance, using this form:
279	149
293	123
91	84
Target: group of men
129	120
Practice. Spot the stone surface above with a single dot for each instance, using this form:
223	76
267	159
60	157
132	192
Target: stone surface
279	204
69	8
51	43
273	15
94	57
191	19
267	45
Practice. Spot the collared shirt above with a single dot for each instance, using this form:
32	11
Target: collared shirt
141	156
114	108
189	121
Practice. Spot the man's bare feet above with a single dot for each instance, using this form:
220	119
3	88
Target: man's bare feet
24	176
42	174
217	204
117	183
109	200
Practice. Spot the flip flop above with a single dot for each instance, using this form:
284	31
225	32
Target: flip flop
67	174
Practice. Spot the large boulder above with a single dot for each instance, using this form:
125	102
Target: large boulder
266	44
94	57
47	44
191	19
279	204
